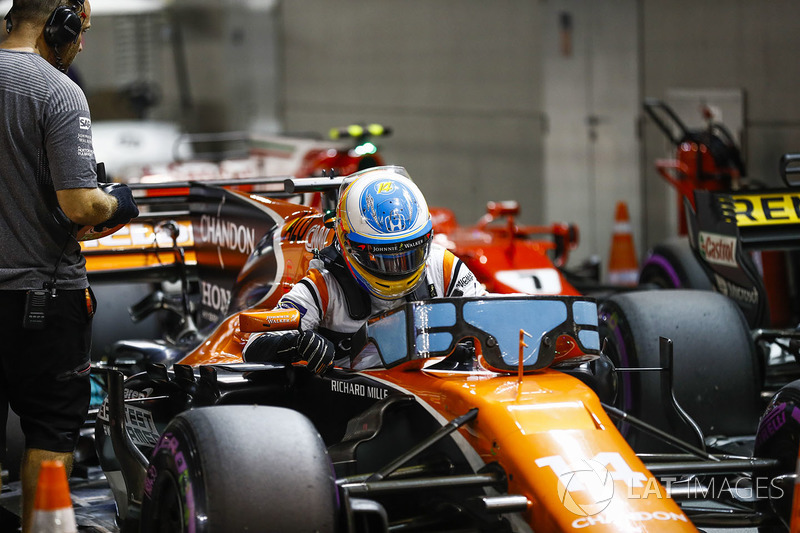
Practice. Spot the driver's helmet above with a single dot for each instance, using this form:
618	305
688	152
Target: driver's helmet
384	230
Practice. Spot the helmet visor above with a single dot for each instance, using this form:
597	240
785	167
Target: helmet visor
391	259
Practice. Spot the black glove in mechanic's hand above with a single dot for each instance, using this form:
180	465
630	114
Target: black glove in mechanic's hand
126	205
316	351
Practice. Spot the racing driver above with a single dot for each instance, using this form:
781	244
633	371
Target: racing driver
382	256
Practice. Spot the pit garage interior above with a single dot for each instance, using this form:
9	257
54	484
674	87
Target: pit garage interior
537	101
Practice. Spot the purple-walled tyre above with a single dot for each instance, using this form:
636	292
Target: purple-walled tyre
716	370
672	265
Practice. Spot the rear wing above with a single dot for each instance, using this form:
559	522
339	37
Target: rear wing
725	227
770	218
146	248
715	238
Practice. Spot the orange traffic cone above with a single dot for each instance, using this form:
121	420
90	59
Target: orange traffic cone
623	267
52	508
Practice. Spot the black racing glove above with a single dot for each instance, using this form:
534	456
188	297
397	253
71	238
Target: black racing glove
126	205
307	346
316	351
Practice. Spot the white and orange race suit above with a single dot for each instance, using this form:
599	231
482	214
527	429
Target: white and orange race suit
331	307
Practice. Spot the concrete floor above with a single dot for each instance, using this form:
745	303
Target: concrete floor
94	506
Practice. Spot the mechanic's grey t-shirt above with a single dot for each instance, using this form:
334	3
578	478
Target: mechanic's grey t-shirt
45	145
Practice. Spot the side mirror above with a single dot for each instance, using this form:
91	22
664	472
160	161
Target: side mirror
790	167
566	237
274	320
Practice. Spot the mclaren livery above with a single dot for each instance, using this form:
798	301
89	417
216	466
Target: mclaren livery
496	413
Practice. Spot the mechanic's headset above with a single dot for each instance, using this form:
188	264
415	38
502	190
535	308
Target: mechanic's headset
63	25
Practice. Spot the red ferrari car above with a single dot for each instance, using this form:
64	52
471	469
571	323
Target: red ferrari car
507	257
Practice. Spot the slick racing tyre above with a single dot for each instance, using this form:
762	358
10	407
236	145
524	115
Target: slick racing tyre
715	366
239	468
673	265
778	437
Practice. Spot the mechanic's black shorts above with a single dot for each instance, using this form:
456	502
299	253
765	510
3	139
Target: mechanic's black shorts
44	374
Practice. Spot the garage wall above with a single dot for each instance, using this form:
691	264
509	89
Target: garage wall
212	65
484	104
459	81
591	93
231	60
482	99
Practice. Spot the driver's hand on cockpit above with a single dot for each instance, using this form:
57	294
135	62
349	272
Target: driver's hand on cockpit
307	347
317	351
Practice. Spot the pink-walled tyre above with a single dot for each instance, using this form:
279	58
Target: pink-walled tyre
240	468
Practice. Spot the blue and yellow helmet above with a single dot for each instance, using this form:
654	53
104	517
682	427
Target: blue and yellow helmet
384	230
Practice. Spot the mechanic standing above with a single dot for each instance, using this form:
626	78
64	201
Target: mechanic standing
382	257
49	188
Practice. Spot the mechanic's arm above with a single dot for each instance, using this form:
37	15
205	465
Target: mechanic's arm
93	207
73	169
86	206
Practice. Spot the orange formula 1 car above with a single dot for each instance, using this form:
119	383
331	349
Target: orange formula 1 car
505	256
480	414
